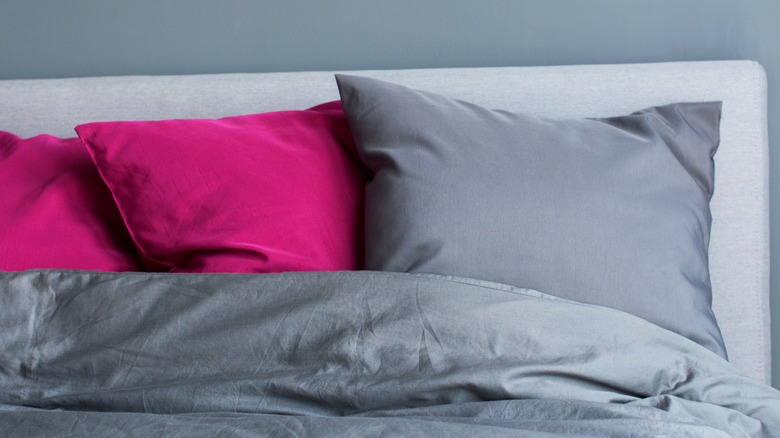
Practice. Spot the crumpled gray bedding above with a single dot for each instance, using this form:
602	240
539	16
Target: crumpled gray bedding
349	354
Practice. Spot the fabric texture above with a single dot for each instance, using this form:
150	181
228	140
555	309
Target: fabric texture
266	192
610	211
349	354
56	212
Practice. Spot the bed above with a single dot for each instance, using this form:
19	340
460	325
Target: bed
546	251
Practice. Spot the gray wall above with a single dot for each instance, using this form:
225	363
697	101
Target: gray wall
60	38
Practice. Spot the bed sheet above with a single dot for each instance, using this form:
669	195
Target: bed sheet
349	353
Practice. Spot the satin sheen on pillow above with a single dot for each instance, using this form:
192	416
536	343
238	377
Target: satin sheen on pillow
56	212
611	211
259	193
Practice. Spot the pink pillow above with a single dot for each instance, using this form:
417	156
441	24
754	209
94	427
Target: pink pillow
268	192
56	212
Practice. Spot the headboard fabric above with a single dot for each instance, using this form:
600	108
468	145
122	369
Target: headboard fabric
739	246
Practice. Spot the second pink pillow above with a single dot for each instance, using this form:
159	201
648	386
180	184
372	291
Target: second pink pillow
268	192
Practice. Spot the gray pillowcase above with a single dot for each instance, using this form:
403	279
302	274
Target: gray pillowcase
611	211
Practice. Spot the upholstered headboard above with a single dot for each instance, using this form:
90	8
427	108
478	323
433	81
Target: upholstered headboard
739	247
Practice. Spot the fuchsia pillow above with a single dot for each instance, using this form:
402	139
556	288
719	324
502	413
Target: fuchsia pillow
268	192
55	211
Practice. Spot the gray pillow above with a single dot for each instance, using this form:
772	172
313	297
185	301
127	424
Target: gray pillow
612	211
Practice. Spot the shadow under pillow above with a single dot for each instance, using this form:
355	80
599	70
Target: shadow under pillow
611	211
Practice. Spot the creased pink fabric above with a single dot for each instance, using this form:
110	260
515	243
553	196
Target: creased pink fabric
55	212
267	192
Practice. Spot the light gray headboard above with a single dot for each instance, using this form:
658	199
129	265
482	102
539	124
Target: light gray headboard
739	248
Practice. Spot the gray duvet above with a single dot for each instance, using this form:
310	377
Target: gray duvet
348	354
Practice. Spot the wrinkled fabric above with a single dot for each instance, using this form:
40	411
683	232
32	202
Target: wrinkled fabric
349	353
55	211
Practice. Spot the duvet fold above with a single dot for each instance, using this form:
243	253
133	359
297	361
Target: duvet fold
349	353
